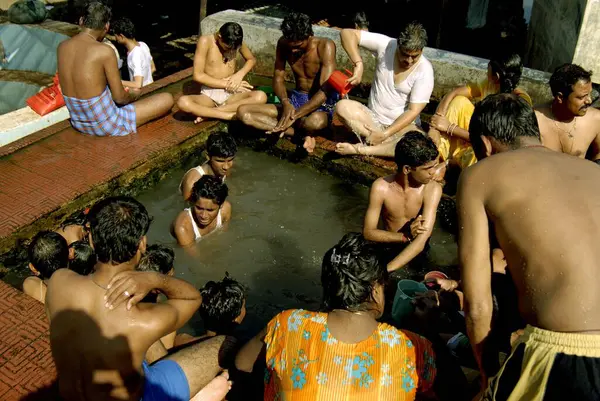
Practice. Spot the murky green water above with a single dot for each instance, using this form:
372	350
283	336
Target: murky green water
284	218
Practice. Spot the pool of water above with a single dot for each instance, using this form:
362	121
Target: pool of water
285	216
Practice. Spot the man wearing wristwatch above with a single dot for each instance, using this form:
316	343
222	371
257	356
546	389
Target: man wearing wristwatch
310	106
401	89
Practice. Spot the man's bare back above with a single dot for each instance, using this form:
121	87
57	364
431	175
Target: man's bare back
545	207
82	62
573	138
109	345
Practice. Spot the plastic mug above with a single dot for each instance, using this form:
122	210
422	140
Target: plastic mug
405	293
338	79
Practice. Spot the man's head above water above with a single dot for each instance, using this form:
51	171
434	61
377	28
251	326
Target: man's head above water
411	42
417	157
572	89
502	122
221	149
208	195
296	29
118	227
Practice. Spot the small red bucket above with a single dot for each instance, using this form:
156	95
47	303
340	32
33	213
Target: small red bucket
338	79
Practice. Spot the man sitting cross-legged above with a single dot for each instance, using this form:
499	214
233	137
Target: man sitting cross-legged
91	83
223	89
402	86
309	107
407	201
100	331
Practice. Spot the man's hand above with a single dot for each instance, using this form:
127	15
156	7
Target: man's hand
287	118
445	284
135	93
356	77
234	82
130	287
418	226
440	123
375	136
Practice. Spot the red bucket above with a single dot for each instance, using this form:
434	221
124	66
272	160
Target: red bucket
338	79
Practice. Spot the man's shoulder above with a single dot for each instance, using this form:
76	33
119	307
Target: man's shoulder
594	114
425	67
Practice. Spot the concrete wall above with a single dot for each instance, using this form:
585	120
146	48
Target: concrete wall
451	69
587	52
554	32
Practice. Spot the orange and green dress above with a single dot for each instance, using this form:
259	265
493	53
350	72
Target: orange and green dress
460	112
305	362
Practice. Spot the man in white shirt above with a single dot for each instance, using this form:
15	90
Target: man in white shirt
401	89
139	60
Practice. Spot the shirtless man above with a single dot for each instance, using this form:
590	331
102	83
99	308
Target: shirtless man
223	89
91	83
554	266
407	201
309	107
221	149
401	89
100	331
568	124
209	211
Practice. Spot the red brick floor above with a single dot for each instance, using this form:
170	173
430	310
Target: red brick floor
42	176
25	359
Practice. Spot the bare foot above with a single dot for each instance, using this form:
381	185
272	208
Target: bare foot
198	120
347	149
310	144
216	390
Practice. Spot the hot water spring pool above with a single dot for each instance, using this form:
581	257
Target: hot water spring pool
285	217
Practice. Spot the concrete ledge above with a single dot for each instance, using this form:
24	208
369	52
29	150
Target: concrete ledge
20	123
451	69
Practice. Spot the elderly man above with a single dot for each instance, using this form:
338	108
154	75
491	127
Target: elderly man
401	89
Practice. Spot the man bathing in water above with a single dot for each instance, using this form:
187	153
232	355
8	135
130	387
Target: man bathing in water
91	83
401	89
100	331
223	89
309	107
568	124
208	211
517	186
221	149
407	201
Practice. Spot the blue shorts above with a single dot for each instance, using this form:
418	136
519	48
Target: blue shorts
165	381
298	99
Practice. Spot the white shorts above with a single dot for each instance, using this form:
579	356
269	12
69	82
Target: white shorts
219	96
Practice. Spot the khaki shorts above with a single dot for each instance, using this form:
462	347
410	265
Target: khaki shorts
547	366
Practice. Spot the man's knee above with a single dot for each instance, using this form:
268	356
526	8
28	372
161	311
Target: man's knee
165	100
259	97
244	114
184	103
315	122
344	108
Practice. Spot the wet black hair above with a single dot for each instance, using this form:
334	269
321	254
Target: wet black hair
96	15
84	258
209	187
296	26
123	26
221	144
158	258
76	219
567	75
349	273
360	19
222	303
505	117
48	252
415	149
509	68
117	225
232	34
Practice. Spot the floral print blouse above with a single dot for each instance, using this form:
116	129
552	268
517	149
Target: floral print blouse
305	362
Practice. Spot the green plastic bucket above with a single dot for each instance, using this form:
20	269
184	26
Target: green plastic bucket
403	307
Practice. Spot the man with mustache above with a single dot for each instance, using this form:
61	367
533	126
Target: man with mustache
568	124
